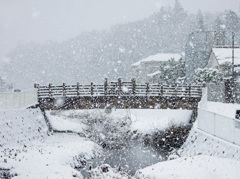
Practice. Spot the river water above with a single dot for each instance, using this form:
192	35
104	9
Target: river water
4	173
130	158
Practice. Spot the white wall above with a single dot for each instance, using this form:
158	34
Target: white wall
220	126
223	127
15	100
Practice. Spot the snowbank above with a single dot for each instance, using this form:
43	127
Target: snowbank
201	143
144	121
193	167
27	150
201	156
64	121
147	121
54	158
21	127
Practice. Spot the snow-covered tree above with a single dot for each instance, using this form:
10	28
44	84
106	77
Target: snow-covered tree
220	31
200	21
209	75
172	72
232	21
93	56
232	24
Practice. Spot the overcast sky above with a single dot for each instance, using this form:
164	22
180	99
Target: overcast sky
40	20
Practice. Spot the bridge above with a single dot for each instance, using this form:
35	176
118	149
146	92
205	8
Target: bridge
119	94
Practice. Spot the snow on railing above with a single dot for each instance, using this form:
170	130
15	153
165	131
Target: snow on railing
118	88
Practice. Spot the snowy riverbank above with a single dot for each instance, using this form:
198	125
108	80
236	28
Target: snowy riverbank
144	121
203	155
28	150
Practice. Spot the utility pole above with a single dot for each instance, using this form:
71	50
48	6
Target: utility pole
232	80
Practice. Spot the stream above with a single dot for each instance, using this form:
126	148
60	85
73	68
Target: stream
4	173
130	158
121	150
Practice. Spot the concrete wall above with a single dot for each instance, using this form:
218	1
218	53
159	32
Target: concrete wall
218	125
16	100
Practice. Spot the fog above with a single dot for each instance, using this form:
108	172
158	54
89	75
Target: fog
33	20
70	41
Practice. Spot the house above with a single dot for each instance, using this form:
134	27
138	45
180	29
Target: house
147	69
153	77
221	58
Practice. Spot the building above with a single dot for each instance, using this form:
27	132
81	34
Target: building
146	70
221	58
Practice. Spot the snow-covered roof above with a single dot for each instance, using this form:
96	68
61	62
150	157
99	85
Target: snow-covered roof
153	74
159	57
224	54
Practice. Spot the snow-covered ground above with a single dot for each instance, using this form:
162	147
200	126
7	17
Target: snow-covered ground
201	166
31	152
202	155
144	121
201	143
28	151
20	127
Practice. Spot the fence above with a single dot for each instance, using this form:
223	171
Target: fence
15	100
118	88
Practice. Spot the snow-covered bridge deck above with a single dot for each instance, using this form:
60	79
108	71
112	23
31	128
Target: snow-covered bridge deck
120	94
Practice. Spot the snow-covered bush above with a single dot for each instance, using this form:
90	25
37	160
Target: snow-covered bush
168	139
108	131
106	171
209	75
172	72
102	127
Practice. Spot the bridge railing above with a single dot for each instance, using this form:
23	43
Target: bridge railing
118	88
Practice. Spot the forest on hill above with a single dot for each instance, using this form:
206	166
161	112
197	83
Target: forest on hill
95	55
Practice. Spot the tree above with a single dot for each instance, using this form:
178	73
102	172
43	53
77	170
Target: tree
200	23
219	27
232	24
232	21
